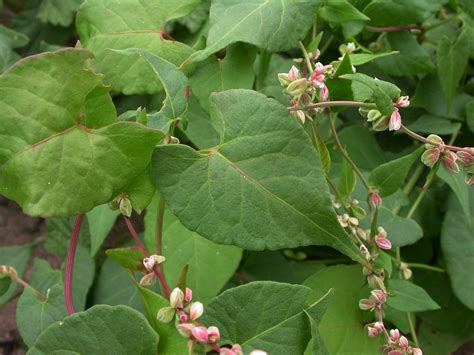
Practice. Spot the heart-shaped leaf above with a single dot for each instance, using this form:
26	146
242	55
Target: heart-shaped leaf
408	297
129	258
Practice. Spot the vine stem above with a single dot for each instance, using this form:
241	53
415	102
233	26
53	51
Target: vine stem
394	28
70	264
412	330
344	153
335	103
424	140
134	234
14	277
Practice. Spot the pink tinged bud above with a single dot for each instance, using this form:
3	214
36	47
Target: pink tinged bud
200	334
437	140
403	101
465	157
417	351
152	261
297	87
165	314
196	310
372	332
364	251
284	79
383	243
294	73
214	334
324	93
183	317
403	342
394	335
317	77
300	115
237	349
470	179
378	296
449	162
366	304
430	157
376	282
185	329
258	352
147	280
395	120
188	296
375	200
176	298
396	352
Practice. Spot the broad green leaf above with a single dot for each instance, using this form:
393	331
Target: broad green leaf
457	183
10	40
457	244
264	315
470	115
364	58
129	258
411	58
271	85
114	287
58	12
339	12
452	57
401	12
131	24
273	25
33	315
389	177
261	188
101	220
342	327
408	297
58	234
340	89
401	231
235	71
140	191
171	342
18	257
174	84
58	166
210	265
101	329
383	93
430	124
315	315
347	181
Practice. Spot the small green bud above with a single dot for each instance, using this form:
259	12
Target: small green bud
165	314
373	115
435	139
125	206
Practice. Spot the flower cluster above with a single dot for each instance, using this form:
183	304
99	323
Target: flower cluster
398	345
150	263
381	122
437	151
306	90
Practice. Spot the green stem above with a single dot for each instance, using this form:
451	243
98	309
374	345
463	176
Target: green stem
334	103
426	267
264	64
306	57
412	330
159	227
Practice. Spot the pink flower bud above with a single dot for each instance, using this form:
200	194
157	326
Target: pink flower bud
165	314
188	296
430	157
214	334
417	351
403	101
147	280
437	140
176	298
237	349
470	179
395	120
200	334
394	335
449	162
294	73
375	200
317	77
258	352
403	342
378	296
196	310
152	261
185	329
366	304
324	93
372	332
465	157
183	317
383	243
396	352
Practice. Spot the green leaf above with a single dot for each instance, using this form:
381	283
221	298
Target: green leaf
140	191
5	283
347	181
58	12
452	58
58	234
273	25
408	297
183	247
458	185
131	24
171	342
264	315
342	327
129	258
261	188
100	329
401	231
101	220
339	12
458	245
10	40
56	166
430	124
411	58
340	89
400	12
383	93
364	58
174	83
389	177
18	257
315	316
470	115
235	71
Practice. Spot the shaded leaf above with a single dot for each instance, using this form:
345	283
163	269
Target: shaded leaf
129	258
101	220
408	297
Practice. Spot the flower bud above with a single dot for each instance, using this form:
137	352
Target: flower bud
375	329
324	93
294	73
165	314
188	295
297	87
300	115
373	115
364	112
147	280
383	243
200	334
376	282
185	329
214	334
394	335
183	317
375	200
465	157
470	179
403	101
125	206
430	157
3	270
403	342
284	79
417	351
258	352
381	124
437	140
366	304
365	252
176	298
449	162
196	310
152	261
378	296
395	120
406	272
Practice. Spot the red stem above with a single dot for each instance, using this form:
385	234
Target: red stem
393	28
134	234
70	264
163	282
